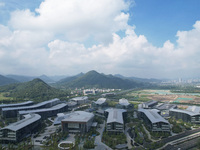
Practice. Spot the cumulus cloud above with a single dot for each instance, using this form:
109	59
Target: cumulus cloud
49	41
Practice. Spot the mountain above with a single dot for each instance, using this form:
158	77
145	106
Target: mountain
21	78
95	79
35	90
46	79
151	80
69	79
5	80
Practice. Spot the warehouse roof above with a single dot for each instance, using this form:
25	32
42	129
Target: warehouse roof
100	101
115	115
56	107
152	115
16	104
195	109
32	106
23	123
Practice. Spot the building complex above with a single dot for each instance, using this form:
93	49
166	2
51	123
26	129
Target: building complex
191	114
124	104
17	131
115	120
153	120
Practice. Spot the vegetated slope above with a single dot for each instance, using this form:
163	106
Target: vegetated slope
46	79
35	90
152	80
5	81
95	79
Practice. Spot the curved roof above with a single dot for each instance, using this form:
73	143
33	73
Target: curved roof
115	115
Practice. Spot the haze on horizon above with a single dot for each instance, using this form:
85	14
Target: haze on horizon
147	39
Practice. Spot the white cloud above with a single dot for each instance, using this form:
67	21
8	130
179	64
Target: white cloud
50	42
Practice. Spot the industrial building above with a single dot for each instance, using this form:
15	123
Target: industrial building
46	112
11	112
101	102
191	114
77	122
124	104
27	103
80	100
17	131
153	120
115	120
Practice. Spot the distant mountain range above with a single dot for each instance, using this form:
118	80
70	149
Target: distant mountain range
87	80
94	79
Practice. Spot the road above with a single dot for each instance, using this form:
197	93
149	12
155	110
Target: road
100	145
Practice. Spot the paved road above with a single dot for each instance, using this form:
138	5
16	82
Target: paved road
100	145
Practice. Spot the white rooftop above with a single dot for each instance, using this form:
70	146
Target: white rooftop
191	110
80	98
124	102
115	115
78	116
100	101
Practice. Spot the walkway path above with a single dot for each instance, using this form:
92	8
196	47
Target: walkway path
100	145
149	135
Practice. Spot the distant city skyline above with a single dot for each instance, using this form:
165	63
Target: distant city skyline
147	39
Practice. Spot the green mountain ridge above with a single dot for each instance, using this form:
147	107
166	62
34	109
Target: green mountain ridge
35	90
6	80
94	79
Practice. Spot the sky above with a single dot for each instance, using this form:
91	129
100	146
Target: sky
147	39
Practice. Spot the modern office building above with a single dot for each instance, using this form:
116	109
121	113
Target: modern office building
27	103
77	122
124	104
17	131
115	120
149	104
46	112
101	102
191	114
13	111
153	120
80	100
164	108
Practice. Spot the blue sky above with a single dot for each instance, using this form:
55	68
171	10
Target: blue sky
153	38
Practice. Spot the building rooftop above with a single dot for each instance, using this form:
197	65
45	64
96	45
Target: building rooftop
153	115
195	109
16	104
100	101
77	116
165	106
56	107
32	106
23	123
80	98
115	115
124	102
186	111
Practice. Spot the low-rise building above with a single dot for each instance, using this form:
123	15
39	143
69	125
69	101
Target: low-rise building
149	104
27	103
115	120
46	112
153	120
17	131
11	112
77	122
164	108
124	104
80	100
191	114
101	102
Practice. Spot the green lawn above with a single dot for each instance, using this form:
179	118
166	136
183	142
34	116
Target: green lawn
2	97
